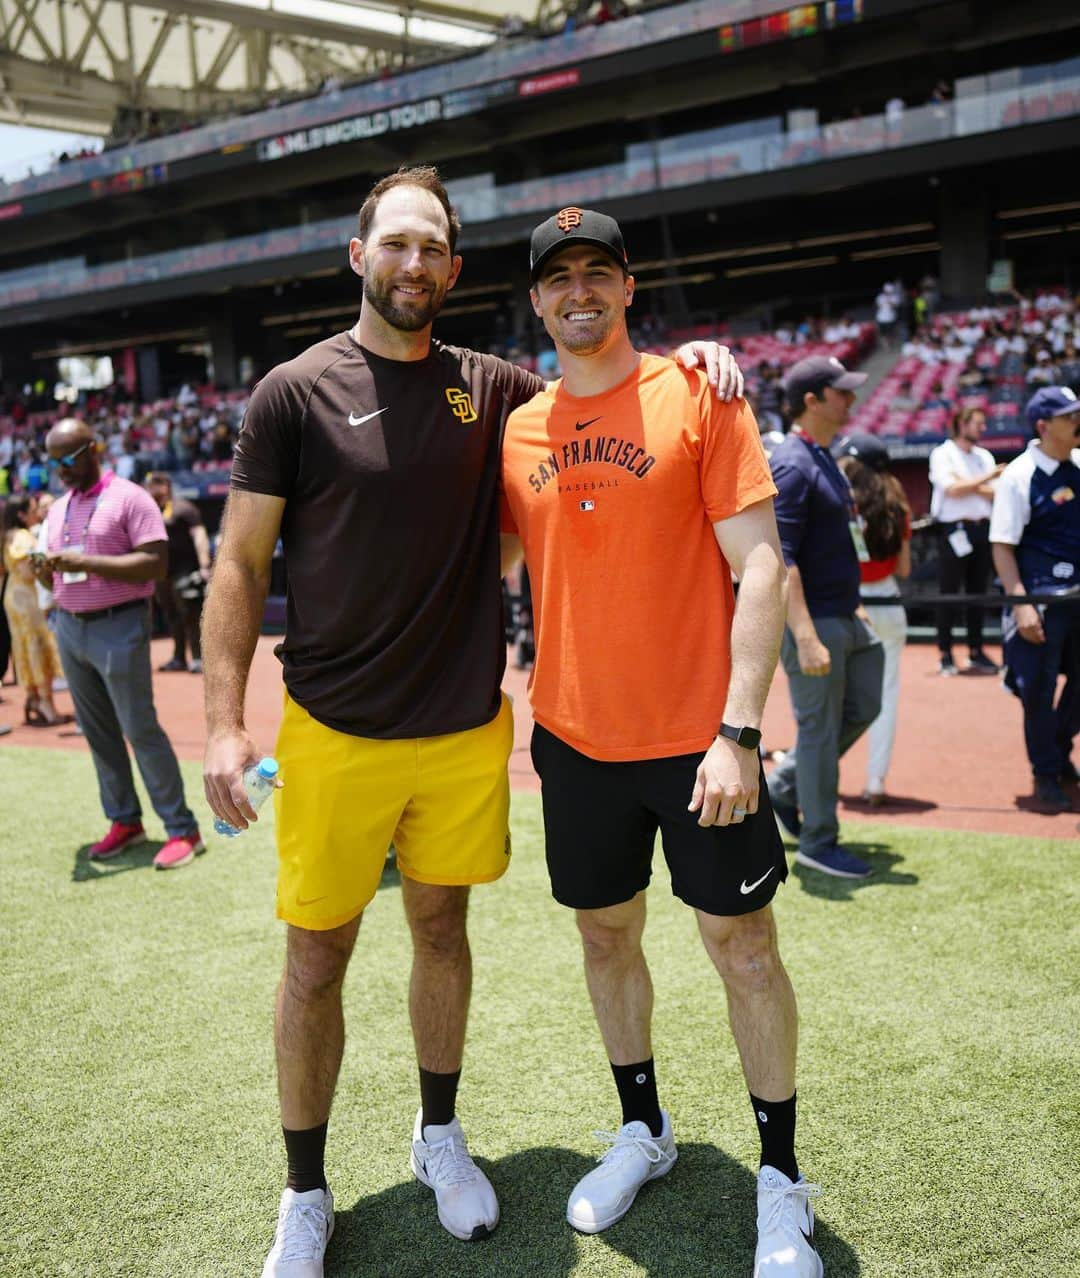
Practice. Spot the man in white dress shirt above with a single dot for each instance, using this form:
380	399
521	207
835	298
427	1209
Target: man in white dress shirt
961	476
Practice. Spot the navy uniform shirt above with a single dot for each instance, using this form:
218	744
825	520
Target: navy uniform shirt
1037	510
814	511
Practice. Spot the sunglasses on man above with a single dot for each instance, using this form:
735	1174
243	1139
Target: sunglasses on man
69	459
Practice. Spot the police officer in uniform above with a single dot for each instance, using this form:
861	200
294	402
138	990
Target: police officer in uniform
1035	535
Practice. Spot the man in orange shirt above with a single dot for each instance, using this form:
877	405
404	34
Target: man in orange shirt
635	497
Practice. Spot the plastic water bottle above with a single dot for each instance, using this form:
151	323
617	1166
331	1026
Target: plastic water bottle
259	783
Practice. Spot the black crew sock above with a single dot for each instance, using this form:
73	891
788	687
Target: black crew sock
776	1127
438	1098
306	1150
637	1094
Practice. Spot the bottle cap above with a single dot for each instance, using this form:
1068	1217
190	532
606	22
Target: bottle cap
268	768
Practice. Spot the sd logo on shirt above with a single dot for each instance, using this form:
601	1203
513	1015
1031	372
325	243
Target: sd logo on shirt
461	405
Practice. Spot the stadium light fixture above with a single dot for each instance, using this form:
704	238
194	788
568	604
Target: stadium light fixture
769	268
819	241
1036	233
702	277
1040	208
342	13
900	250
118	343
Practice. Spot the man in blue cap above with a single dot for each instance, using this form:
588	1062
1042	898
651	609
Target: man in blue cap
1035	536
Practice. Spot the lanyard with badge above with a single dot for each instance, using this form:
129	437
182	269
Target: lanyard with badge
827	463
74	578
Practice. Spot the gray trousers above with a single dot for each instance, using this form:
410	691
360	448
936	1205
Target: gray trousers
832	712
107	665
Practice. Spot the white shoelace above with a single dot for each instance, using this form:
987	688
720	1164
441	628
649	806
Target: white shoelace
303	1232
622	1143
449	1163
784	1199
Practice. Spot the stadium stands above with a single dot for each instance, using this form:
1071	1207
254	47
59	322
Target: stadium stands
996	367
685	160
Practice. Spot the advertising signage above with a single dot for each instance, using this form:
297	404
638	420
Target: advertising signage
373	124
356	129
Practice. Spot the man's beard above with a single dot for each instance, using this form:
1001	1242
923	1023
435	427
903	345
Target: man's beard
408	319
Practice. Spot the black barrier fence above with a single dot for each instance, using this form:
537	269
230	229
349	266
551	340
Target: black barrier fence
974	601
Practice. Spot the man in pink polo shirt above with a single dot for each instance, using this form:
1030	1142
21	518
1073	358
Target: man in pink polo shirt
106	548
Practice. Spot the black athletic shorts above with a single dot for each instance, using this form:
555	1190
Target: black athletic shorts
600	824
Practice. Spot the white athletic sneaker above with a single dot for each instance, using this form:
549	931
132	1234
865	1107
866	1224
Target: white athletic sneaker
305	1223
607	1193
466	1201
785	1222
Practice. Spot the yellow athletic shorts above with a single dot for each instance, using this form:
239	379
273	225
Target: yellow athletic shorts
444	803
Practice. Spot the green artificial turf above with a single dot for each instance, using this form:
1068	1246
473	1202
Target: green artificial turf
139	1134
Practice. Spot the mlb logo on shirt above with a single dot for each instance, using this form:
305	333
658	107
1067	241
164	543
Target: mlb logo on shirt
587	505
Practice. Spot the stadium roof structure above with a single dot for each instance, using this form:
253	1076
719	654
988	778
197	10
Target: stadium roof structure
80	64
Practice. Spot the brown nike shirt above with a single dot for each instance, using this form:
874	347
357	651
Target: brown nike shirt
390	474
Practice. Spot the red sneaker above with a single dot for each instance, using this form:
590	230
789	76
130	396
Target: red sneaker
179	851
120	836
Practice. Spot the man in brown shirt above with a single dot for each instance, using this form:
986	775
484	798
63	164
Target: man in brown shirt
374	455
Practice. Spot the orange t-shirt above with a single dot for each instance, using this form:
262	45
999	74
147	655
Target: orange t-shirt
614	497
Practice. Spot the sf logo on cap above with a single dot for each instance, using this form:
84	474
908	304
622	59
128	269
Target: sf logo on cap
568	219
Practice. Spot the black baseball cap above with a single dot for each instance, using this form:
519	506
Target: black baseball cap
813	374
575	226
867	449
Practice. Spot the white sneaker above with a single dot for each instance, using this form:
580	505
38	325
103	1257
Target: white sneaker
785	1222
607	1193
466	1201
305	1223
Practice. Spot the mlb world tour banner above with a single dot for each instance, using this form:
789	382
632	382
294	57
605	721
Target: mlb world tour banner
355	129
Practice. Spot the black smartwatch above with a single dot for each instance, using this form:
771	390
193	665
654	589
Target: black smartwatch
748	738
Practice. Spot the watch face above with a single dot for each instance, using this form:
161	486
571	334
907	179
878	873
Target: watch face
748	738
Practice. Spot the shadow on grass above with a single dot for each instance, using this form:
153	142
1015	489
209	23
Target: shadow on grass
878	855
894	803
140	857
699	1220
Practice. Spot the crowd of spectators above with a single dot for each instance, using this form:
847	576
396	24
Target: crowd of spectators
990	357
194	430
